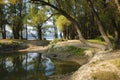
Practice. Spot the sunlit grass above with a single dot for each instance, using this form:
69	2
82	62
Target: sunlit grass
9	43
75	50
105	75
116	62
97	41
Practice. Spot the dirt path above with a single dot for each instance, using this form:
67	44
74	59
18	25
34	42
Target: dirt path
31	46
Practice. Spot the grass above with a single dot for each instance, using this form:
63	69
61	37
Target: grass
97	41
116	62
75	50
100	40
6	45
105	75
68	50
9	43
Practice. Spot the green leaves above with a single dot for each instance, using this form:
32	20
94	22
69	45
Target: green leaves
62	22
36	15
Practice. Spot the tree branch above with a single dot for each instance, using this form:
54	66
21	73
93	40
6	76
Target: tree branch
54	7
51	16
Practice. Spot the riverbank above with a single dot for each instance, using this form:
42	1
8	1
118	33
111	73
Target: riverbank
107	61
24	46
42	47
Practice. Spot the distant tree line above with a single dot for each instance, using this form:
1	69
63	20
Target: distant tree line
76	19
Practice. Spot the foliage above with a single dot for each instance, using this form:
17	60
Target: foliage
36	16
75	50
62	23
105	75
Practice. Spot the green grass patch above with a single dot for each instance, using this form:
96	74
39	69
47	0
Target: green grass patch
105	75
10	44
97	41
75	50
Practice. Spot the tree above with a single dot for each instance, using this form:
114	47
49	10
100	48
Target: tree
3	20
61	11
65	8
15	17
63	24
100	25
37	18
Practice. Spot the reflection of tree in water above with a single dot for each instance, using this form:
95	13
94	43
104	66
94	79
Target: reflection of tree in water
17	68
3	70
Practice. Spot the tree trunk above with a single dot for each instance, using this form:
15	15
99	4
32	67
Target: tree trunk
72	20
39	31
76	24
3	31
21	34
55	30
117	34
100	25
64	34
15	33
61	35
26	32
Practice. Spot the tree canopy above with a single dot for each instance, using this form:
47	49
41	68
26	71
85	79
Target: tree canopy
77	19
62	22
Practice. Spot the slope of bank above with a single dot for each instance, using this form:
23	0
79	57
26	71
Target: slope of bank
103	66
95	63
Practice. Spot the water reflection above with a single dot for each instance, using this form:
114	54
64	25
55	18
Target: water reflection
30	66
48	65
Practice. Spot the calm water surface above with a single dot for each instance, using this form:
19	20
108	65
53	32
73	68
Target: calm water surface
32	66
